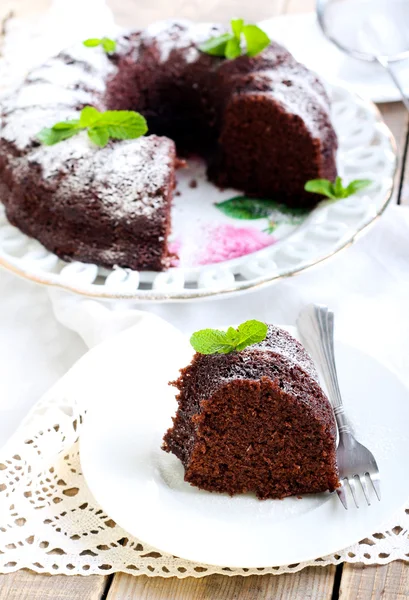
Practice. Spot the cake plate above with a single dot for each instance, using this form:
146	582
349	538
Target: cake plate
220	252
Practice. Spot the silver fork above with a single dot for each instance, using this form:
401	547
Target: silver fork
355	462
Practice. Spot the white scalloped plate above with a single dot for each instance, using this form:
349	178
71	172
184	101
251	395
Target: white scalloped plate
366	150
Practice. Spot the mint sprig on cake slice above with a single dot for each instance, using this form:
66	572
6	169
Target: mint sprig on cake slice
215	341
100	126
336	190
106	44
243	39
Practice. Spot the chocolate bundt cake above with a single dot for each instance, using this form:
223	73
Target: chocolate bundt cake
261	123
255	421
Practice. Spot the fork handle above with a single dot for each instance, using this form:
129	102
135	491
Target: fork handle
316	327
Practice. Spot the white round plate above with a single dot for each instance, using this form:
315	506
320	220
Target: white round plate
141	487
220	254
302	35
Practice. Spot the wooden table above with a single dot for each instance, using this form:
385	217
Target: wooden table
349	582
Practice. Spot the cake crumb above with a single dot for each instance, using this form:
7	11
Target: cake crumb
180	163
193	183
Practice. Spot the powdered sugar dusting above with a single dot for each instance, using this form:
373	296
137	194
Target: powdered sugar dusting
95	59
63	74
22	126
58	99
46	94
59	158
295	89
280	341
124	176
180	35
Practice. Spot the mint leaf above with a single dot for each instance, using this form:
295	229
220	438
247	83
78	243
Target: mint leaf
73	124
50	136
107	44
117	124
211	341
229	44
214	341
216	46
256	39
336	190
89	115
237	27
251	332
324	187
99	136
122	124
232	335
356	185
233	49
92	42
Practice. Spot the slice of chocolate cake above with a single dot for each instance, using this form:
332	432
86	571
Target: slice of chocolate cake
255	420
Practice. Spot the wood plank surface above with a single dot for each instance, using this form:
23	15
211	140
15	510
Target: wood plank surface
26	585
386	582
314	583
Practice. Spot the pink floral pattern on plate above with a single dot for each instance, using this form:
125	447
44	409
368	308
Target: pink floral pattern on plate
218	242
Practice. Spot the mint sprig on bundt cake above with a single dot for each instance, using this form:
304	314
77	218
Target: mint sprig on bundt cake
254	420
100	126
336	190
244	39
106	44
214	341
